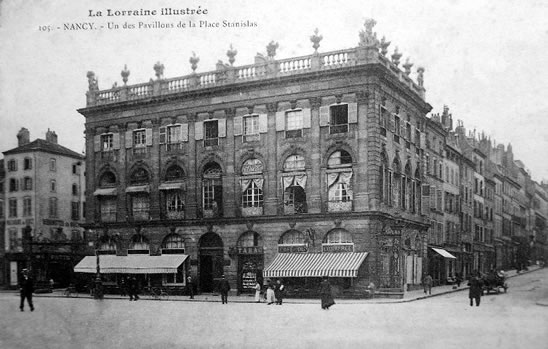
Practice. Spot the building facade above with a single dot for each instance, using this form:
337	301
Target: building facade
43	209
264	171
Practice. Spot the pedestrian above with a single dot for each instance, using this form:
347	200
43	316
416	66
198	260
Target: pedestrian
133	289
190	287
224	287
26	287
270	293
427	283
122	286
279	291
475	292
51	283
257	288
325	294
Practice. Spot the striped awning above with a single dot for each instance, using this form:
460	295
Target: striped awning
106	192
443	253
132	264
315	265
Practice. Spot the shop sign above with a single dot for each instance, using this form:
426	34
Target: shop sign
292	248
338	248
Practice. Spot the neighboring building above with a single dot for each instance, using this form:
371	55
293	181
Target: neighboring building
3	271
44	201
294	168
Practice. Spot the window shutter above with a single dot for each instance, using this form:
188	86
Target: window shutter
412	136
199	130
280	121
129	139
148	136
222	128
324	115
403	131
97	142
163	134
432	196
392	124
422	140
307	118
263	123
238	122
116	141
184	133
352	113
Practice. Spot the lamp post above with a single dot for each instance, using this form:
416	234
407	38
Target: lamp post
98	292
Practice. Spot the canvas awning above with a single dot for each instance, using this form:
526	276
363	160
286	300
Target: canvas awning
315	264
443	253
138	189
106	192
172	186
132	264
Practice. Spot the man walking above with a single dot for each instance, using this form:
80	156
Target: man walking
279	292
26	289
224	287
476	289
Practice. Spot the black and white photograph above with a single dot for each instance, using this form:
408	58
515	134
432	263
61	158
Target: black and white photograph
273	174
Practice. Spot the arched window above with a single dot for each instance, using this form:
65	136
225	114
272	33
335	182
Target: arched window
292	241
173	193
339	181
212	190
107	245
338	240
252	187
173	244
294	163
108	179
174	173
139	193
294	183
139	245
396	183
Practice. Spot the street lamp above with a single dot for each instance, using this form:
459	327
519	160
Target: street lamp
98	292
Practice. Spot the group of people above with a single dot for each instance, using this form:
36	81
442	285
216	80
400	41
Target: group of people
274	293
475	283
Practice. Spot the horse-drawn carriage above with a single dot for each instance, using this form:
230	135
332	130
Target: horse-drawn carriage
494	282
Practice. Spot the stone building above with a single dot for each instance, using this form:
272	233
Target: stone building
43	210
286	168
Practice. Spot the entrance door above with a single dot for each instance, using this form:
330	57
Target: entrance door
210	261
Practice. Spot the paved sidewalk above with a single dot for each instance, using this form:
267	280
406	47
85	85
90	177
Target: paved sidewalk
409	296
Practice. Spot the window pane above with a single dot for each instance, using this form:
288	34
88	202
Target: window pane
294	162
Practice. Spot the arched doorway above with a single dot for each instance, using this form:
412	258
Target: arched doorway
210	261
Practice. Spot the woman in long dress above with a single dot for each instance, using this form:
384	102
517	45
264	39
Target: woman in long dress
257	292
270	294
325	293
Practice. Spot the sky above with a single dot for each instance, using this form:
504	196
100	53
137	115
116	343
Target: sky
485	60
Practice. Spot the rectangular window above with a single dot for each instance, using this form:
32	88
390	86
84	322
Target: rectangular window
14	241
12	213
140	207
108	210
383	117
27	183
53	208
139	138
27	164
397	129
107	142
12	165
27	207
251	128
14	185
211	133
75	211
52	165
338	117
294	124
53	186
173	137
1	209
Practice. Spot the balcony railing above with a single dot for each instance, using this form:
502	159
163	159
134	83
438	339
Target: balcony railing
264	68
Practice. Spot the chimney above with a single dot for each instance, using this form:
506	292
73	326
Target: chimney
51	137
23	136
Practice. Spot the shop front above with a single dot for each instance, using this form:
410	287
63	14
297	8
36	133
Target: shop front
442	265
168	271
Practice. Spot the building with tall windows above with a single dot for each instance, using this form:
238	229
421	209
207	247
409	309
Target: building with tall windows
292	168
43	209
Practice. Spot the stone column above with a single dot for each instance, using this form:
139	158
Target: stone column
373	150
361	172
271	174
314	195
